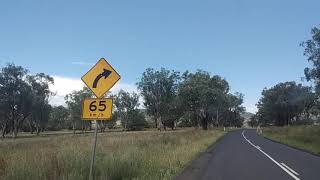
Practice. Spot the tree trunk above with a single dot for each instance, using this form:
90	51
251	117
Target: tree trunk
217	118
160	125
204	123
38	130
74	128
287	118
15	132
30	126
82	127
4	129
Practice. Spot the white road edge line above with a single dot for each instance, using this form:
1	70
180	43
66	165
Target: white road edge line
286	166
283	168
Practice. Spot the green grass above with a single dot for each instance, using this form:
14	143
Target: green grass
133	155
303	137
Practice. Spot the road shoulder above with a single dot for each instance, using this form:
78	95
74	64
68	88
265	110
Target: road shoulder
197	167
293	147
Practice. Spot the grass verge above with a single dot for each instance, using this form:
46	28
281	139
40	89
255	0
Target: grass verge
132	155
302	137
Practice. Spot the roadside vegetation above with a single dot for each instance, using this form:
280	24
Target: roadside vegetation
291	103
41	141
131	155
290	111
170	99
302	137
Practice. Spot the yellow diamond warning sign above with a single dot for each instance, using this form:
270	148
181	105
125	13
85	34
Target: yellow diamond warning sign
97	109
101	78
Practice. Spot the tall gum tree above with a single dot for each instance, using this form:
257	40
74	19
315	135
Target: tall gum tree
15	98
158	89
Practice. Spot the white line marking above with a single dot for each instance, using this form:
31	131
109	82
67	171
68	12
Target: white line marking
283	168
286	166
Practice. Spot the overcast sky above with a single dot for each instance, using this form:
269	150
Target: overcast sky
253	44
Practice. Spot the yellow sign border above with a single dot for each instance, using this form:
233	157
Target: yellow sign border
101	59
93	119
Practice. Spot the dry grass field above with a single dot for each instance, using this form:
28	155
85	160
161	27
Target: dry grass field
303	137
120	155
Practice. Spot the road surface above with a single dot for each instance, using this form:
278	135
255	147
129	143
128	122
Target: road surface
243	154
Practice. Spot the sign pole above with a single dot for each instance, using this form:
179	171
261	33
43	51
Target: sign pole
93	151
99	79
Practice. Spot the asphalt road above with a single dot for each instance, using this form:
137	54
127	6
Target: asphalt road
243	154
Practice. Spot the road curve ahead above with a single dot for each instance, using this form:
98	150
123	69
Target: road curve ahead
243	154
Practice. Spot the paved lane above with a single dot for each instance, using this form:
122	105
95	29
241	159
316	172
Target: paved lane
242	154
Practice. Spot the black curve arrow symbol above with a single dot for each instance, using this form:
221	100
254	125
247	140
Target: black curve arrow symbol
105	73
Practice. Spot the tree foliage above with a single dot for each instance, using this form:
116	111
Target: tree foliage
207	100
193	99
59	118
74	104
40	101
254	121
312	52
159	89
127	110
23	97
284	103
16	98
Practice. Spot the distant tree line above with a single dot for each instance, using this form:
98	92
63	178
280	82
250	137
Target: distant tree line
290	103
170	99
191	99
23	100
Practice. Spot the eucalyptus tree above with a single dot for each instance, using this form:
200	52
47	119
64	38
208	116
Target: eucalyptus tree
40	101
235	109
284	103
159	89
312	52
203	96
127	105
15	98
74	103
254	121
59	117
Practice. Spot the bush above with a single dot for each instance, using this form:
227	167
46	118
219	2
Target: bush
137	121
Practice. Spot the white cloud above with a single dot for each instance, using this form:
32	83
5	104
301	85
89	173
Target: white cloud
65	85
251	108
57	100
